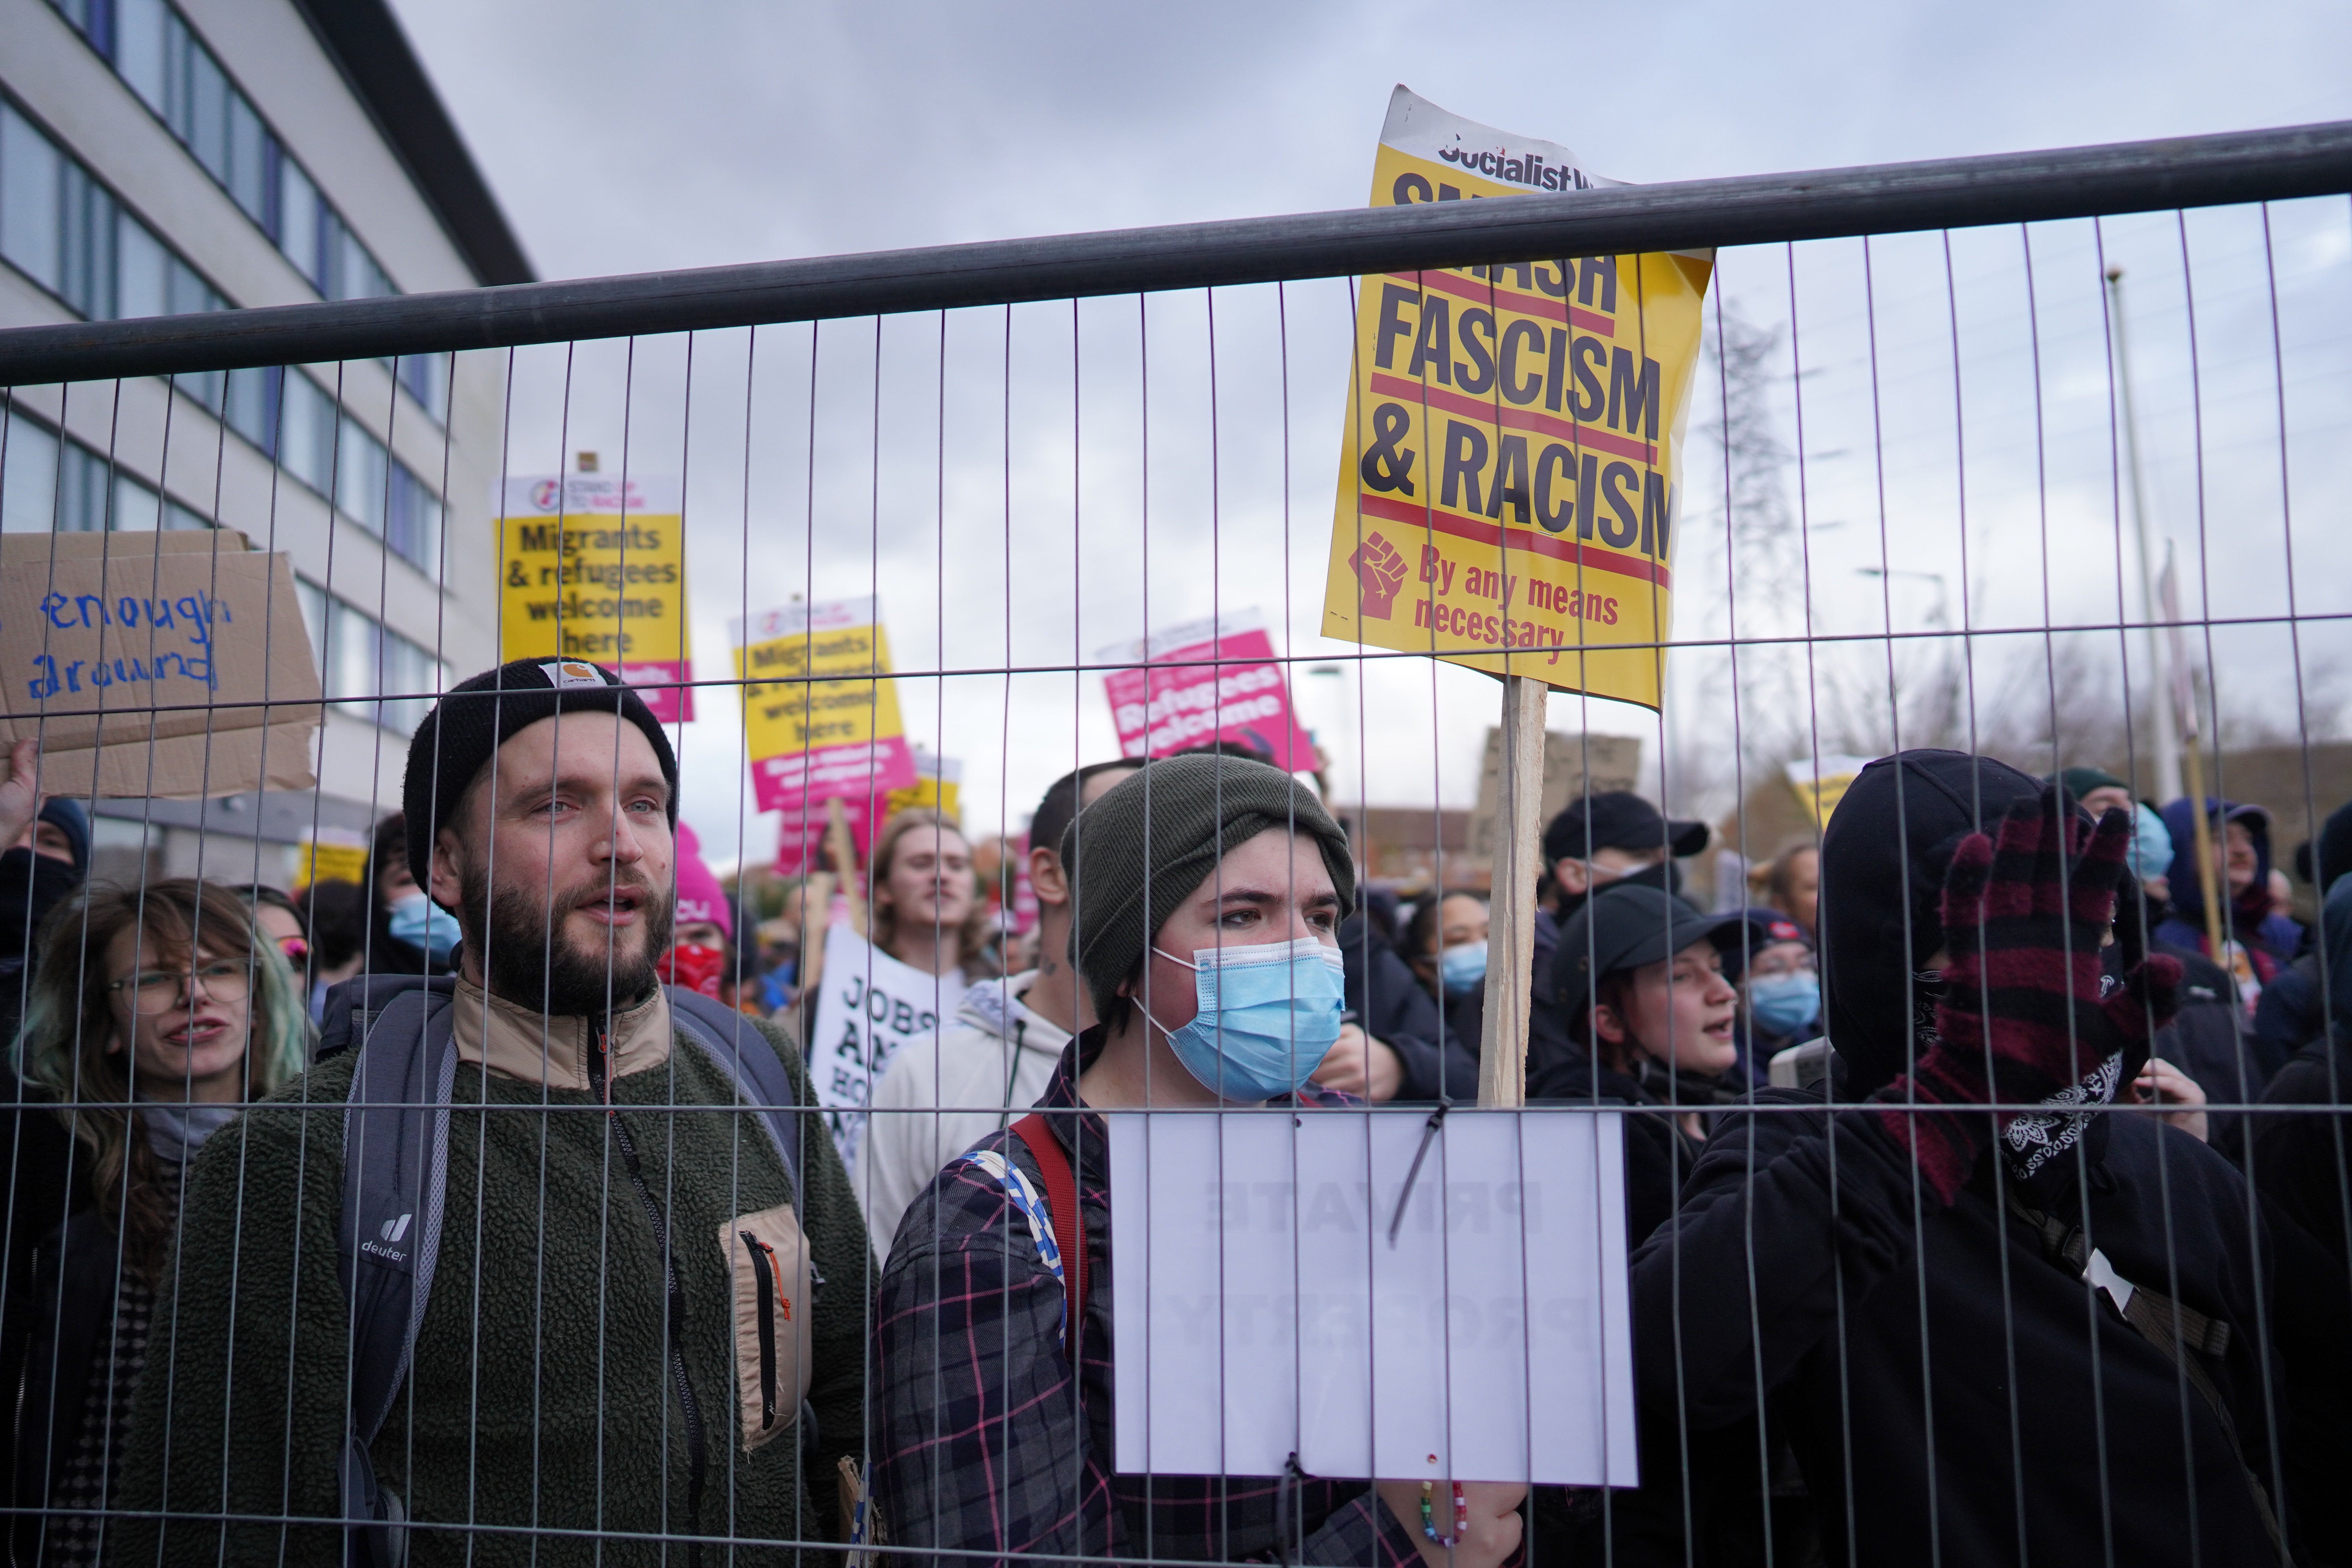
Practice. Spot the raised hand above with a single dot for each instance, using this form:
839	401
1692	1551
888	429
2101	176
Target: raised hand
1379	568
20	798
2026	1011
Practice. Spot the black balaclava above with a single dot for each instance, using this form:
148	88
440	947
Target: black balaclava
31	885
1886	852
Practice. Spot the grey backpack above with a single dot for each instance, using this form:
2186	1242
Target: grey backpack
395	1176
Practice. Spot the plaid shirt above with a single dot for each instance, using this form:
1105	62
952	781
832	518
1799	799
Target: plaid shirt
991	1442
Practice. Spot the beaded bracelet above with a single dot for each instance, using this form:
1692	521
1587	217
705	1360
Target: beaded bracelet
1429	1519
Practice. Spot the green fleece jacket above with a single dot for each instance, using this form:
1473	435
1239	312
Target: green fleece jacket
540	1398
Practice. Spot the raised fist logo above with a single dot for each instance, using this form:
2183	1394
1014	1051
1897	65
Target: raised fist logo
1380	570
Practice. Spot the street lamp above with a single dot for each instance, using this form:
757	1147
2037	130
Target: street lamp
1942	616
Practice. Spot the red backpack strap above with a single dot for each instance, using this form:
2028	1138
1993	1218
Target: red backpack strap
1062	1203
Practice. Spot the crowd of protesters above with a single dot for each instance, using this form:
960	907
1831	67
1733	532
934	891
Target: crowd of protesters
1902	1290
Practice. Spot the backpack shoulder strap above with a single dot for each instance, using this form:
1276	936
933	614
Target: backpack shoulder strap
1062	1205
396	1170
748	1057
2184	1335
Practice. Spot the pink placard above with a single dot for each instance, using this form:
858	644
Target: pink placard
851	772
664	686
1225	687
800	836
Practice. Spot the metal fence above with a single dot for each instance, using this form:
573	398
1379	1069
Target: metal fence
2017	465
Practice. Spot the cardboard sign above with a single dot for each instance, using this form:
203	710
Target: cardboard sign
586	572
173	665
1573	764
868	1005
816	740
1205	682
1508	469
1263	1310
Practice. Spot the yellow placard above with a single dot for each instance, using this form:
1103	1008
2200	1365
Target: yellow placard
813	740
1507	474
1820	782
586	572
330	863
939	785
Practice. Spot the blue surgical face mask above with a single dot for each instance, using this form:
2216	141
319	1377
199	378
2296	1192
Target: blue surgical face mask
1268	1015
1463	967
2151	854
417	920
1784	1003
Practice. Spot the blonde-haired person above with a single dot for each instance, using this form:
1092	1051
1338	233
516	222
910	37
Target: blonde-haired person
153	1015
927	909
1790	882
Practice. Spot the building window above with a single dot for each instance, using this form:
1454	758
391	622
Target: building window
65	231
160	58
369	670
48	484
426	377
412	525
362	476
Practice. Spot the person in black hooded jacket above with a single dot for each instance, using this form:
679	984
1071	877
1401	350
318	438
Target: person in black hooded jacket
1959	1320
44	857
2303	1157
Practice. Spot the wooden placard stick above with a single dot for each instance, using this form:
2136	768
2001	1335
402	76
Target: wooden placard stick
1511	913
842	849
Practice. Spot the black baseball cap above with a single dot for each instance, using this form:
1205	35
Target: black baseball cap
1617	819
1625	927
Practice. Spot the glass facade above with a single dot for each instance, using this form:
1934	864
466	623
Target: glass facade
67	232
160	58
47	483
371	671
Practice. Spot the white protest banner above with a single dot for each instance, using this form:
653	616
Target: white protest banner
868	1005
171	665
1265	1311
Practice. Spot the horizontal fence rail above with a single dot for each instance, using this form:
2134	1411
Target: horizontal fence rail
1949	193
1590	1207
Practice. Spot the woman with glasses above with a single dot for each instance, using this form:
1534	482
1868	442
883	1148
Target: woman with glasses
154	1014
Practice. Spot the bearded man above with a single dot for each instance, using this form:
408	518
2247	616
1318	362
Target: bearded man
612	1339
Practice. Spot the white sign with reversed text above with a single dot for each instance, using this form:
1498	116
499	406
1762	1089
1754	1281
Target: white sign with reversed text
1263	1310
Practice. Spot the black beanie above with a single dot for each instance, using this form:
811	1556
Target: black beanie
474	719
1153	838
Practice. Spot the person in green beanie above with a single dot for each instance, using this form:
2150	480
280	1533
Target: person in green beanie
1208	899
619	1346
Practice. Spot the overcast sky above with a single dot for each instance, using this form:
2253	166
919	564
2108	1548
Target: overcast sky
623	138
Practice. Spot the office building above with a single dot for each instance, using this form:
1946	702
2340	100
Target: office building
167	156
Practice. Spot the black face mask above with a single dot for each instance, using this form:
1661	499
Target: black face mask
30	887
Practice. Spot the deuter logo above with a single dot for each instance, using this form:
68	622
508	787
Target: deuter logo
387	1242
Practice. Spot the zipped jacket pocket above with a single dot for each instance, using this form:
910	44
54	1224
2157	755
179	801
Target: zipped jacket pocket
768	1260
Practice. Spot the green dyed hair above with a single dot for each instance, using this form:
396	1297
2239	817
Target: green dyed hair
67	1046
